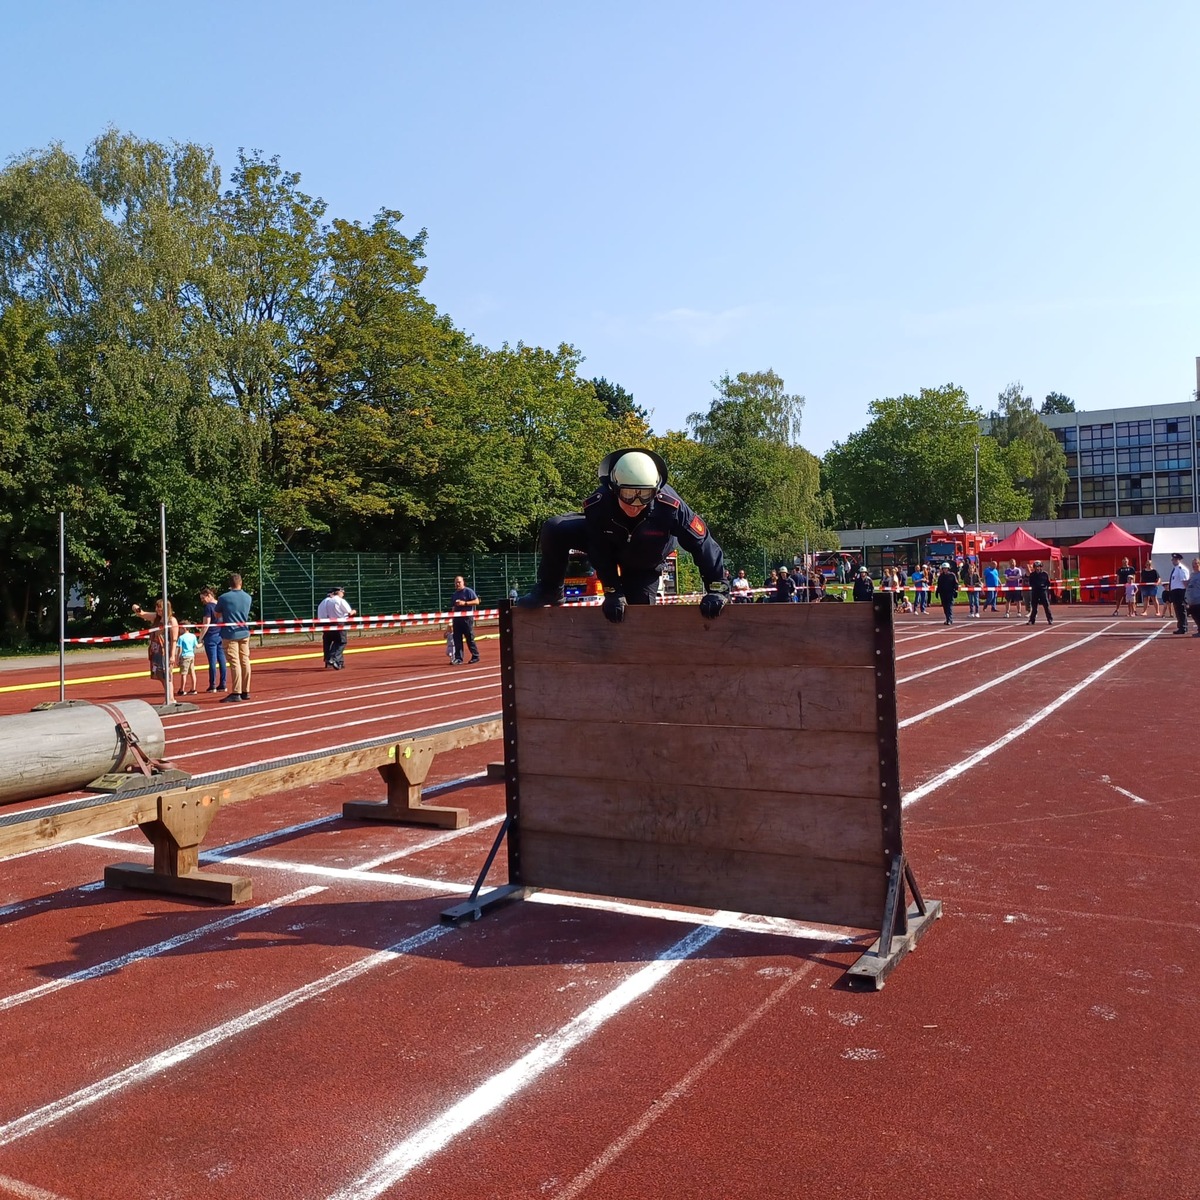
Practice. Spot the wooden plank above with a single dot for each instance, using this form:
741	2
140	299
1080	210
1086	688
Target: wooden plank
59	826
803	698
831	764
745	636
203	885
804	826
829	893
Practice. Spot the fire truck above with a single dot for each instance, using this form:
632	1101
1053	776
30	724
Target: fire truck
955	545
581	580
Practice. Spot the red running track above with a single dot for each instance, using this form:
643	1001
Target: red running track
332	1039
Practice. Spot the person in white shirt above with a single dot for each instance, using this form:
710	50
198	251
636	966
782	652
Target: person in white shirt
335	607
740	589
1176	585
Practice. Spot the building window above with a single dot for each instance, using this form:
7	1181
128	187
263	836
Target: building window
1134	487
1097	489
1094	437
1071	497
1175	483
1173	429
1173	458
1101	510
1096	462
1135	460
1133	433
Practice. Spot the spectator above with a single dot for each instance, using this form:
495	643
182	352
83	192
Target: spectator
1039	593
163	652
947	590
798	584
628	526
1129	583
991	584
210	636
187	660
233	608
1148	592
335	608
920	583
1012	588
740	589
1191	594
974	582
1176	588
464	604
864	588
785	587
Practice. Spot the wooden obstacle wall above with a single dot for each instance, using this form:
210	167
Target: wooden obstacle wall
747	763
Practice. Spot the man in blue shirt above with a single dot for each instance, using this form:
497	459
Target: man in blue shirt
233	611
463	606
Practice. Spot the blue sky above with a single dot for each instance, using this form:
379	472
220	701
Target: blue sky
868	198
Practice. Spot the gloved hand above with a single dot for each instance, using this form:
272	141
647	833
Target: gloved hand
613	607
712	602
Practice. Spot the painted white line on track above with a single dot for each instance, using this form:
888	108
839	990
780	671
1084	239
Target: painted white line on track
125	960
955	662
156	1064
677	1091
991	683
490	1095
326	727
919	793
1135	799
26	1191
958	639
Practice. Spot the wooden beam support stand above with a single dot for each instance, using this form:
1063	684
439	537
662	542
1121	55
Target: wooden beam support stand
182	821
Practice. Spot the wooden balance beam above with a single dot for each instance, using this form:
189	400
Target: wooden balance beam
175	820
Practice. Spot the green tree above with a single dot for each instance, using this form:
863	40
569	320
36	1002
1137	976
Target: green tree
618	403
1056	402
913	464
754	484
1035	460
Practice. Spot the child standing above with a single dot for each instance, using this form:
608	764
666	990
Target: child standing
187	660
1130	596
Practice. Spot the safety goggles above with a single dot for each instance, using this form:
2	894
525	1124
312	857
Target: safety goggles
636	495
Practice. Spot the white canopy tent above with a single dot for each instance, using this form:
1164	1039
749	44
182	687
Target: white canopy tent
1174	539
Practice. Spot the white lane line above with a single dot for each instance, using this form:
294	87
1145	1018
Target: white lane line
291	713
125	960
490	1095
156	1064
746	922
677	1091
991	683
291	737
954	662
965	637
975	759
26	1191
1135	799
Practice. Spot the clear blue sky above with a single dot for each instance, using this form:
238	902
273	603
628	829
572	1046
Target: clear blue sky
867	197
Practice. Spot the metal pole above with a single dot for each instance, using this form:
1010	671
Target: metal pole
62	608
977	496
168	682
262	587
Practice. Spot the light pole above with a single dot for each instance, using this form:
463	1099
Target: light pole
977	493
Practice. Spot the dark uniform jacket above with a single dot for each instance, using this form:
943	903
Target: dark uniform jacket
640	545
1039	584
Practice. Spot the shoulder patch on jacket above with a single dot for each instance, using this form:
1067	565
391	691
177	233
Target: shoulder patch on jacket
668	500
697	525
594	498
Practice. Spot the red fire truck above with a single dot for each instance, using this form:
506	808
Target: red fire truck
957	544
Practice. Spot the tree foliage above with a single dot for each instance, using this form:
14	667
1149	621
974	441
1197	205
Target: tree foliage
1035	461
913	464
757	488
1056	402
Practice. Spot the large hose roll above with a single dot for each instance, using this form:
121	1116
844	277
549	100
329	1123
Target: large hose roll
63	749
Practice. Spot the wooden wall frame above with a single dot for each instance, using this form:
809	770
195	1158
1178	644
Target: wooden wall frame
747	763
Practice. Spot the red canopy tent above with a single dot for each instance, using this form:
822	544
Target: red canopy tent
1101	555
1022	546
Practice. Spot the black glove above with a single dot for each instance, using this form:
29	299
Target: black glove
613	607
712	602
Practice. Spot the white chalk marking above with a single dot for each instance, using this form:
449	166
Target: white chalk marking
587	1177
483	1100
991	683
156	1064
975	759
954	662
1135	799
26	1191
124	960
